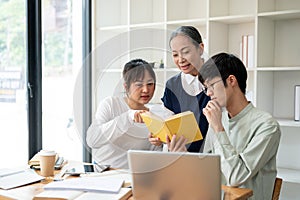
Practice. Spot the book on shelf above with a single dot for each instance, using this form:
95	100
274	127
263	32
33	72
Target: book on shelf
180	124
123	194
244	49
297	102
250	60
247	50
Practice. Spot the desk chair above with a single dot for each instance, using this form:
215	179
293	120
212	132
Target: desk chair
277	188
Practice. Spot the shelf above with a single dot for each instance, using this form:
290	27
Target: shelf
288	123
289	175
113	70
251	69
110	28
146	25
198	22
296	68
234	19
281	15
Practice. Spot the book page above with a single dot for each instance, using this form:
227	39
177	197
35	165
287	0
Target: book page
180	124
185	124
179	115
122	174
92	184
124	193
156	125
58	194
20	178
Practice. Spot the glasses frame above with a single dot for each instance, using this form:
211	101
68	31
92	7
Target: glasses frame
205	88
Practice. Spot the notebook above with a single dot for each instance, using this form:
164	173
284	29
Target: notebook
170	175
14	178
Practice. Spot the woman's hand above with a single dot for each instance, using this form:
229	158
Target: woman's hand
137	116
154	140
177	146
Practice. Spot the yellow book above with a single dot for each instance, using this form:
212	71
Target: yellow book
180	124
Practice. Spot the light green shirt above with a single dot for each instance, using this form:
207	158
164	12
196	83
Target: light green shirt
248	149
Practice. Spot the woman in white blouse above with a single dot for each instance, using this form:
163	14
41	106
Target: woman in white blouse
118	125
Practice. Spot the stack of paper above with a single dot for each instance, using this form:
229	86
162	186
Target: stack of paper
15	178
123	194
122	174
88	184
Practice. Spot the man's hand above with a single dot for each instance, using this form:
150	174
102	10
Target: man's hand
213	114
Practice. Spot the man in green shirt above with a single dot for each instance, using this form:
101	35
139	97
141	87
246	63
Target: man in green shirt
245	137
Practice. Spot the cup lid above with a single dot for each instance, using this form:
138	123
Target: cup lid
46	152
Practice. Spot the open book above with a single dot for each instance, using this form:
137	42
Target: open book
180	124
12	178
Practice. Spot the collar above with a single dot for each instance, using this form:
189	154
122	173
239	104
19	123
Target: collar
189	78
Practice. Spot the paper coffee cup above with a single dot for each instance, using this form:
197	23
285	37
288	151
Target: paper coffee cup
47	162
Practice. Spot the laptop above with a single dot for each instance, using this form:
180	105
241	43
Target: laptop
160	175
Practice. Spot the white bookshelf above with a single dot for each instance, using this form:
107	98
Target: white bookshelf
275	25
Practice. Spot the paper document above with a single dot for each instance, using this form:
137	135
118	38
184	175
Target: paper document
118	174
18	178
89	184
124	193
7	171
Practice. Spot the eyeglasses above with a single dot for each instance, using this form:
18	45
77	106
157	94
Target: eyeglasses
210	86
139	84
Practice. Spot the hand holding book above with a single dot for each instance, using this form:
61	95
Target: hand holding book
180	124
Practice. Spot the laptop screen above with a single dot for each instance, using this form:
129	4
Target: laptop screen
172	176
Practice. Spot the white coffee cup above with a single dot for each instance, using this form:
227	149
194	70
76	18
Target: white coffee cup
47	162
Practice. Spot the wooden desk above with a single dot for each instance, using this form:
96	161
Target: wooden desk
29	191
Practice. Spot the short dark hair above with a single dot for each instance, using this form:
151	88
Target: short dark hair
222	65
135	70
191	32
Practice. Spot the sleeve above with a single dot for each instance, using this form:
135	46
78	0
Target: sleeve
209	140
239	167
167	99
157	148
107	127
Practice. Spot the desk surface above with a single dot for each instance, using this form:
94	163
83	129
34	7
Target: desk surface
29	191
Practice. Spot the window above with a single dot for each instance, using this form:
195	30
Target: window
61	56
13	103
62	61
